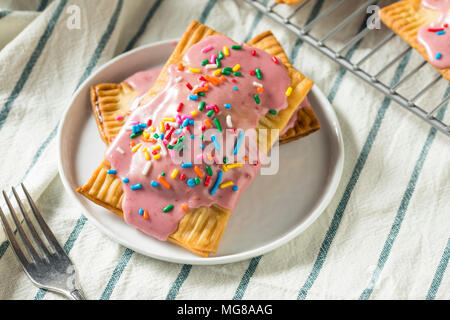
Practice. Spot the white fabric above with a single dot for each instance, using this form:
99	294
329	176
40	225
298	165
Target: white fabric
374	185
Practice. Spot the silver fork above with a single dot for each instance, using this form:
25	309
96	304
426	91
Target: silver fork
52	268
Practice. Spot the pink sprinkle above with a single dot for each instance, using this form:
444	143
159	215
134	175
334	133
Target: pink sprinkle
135	122
187	116
202	84
200	156
119	118
207	48
213	58
178	118
209	107
166	142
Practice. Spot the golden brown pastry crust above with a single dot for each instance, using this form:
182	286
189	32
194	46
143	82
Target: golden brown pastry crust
306	124
290	2
405	18
201	229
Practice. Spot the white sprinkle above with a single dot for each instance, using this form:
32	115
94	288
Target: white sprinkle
257	84
163	150
229	123
129	128
178	79
147	166
211	66
120	150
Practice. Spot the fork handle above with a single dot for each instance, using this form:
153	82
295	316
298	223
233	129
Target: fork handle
77	295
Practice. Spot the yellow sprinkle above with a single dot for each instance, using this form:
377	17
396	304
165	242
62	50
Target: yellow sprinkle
157	147
152	128
147	155
226	51
161	127
234	165
144	149
157	157
288	91
194	70
174	173
194	113
145	134
226	184
168	119
136	147
236	67
218	72
225	167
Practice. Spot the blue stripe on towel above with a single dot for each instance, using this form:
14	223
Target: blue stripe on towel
437	279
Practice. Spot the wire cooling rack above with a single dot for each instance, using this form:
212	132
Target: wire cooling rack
292	18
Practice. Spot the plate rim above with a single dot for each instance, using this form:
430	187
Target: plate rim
251	253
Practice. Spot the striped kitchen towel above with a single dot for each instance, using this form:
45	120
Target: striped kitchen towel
385	235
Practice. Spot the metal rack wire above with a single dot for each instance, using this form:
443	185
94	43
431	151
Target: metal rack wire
289	17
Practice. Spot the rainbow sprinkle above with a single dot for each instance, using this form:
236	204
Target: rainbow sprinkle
216	183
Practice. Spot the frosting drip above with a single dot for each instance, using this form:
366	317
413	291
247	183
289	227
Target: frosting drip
157	190
436	37
142	81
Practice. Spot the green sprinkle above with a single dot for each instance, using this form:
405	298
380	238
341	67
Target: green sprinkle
170	146
257	99
163	173
156	135
236	47
220	55
210	113
273	111
205	62
225	160
201	94
197	180
218	64
202	136
209	171
237	73
227	73
218	125
201	106
258	73
168	208
228	69
134	135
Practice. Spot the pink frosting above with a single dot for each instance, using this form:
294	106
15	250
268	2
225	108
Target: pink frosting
305	103
436	37
142	81
236	90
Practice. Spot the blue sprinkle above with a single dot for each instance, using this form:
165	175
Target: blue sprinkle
154	184
141	211
136	186
143	125
111	171
125	180
161	136
192	136
178	131
191	183
202	146
239	141
191	122
136	128
217	183
235	88
439	55
193	97
227	106
235	188
216	143
185	122
186	165
440	33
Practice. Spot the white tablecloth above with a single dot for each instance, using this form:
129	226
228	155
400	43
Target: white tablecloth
384	235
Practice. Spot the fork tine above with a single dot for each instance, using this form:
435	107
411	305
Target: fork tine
12	240
37	238
28	246
46	230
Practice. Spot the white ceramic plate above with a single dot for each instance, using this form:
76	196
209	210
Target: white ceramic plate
272	211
